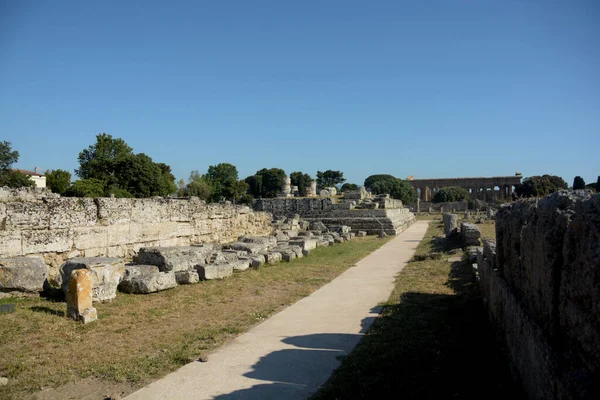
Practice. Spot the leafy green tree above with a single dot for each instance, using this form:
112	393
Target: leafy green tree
451	193
578	183
271	181
301	180
240	192
254	185
223	178
101	160
539	186
387	184
58	181
86	188
122	172
9	177
197	187
348	187
329	178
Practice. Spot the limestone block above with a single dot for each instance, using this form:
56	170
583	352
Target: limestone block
318	226
304	243
174	258
116	251
144	232
90	237
149	210
257	261
273	257
187	277
143	279
10	243
361	234
263	240
23	274
214	271
114	211
250	248
46	241
105	272
241	264
26	216
450	224
79	296
176	229
470	234
118	235
69	212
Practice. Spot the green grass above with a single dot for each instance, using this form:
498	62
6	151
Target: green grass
139	338
432	340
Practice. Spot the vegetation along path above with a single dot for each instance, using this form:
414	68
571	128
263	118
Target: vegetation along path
291	354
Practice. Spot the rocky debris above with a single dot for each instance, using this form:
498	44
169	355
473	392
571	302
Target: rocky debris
268	241
3	381
257	261
361	234
241	264
79	296
174	258
250	248
340	229
305	244
106	273
450	224
214	271
470	234
143	279
23	274
273	257
186	277
490	213
318	226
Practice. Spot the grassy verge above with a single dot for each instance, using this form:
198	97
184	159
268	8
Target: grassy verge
139	338
432	340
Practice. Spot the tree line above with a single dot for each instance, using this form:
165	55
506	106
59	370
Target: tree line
109	167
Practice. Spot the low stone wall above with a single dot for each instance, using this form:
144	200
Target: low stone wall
38	223
390	217
425	206
541	283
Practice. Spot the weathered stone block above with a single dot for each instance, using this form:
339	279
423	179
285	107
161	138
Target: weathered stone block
79	296
174	258
257	261
113	211
143	279
26	216
470	234
450	224
90	237
10	243
69	212
47	241
105	272
23	274
304	244
250	248
187	277
214	271
273	257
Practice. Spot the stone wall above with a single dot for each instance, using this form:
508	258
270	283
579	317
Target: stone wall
38	223
390	216
426	206
541	283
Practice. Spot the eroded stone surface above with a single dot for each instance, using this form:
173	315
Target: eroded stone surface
214	271
143	279
79	296
470	234
106	273
174	258
24	274
187	277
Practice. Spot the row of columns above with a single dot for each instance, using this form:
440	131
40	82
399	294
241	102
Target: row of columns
483	192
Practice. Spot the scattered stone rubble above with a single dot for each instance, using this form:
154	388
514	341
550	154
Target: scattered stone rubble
79	296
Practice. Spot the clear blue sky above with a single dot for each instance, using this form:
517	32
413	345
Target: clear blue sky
426	88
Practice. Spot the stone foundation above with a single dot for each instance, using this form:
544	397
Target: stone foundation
39	223
389	215
541	284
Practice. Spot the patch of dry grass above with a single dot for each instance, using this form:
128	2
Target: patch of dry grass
432	340
139	338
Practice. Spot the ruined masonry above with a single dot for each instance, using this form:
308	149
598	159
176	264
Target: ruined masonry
79	296
541	284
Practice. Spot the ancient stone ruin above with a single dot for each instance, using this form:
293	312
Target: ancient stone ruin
541	283
359	210
93	248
